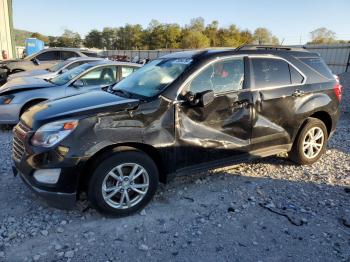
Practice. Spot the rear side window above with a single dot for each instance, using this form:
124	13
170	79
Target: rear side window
90	54
68	54
318	65
295	76
269	72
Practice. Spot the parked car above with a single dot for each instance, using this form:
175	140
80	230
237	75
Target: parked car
42	60
19	94
183	112
56	69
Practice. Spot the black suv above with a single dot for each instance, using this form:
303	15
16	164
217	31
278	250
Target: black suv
183	111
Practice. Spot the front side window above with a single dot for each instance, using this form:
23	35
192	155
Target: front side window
126	71
58	66
154	77
100	76
69	75
222	76
48	56
77	63
269	72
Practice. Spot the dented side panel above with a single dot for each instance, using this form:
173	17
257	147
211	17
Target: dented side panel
219	130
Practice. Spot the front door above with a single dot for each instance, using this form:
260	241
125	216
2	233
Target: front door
222	129
96	79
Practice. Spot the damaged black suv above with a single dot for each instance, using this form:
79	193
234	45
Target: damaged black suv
182	112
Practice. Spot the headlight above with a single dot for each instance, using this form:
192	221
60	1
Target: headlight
52	133
5	100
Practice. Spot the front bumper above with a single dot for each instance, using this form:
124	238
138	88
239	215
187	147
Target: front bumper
56	199
9	114
29	159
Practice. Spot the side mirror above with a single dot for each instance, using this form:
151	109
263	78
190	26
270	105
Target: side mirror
201	99
36	61
63	70
78	83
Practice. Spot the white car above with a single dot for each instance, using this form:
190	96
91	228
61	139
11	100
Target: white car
56	69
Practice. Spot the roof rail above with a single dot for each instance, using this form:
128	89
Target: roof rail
270	47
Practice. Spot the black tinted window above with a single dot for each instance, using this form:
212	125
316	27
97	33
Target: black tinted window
270	72
48	56
296	77
67	54
318	65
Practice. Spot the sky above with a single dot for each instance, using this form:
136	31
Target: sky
291	21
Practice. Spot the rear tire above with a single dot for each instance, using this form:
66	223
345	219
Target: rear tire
123	183
310	143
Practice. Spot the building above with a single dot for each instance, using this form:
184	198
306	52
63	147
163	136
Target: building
7	43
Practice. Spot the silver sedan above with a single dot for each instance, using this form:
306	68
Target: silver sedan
56	69
19	94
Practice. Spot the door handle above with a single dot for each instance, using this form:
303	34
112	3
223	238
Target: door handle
298	93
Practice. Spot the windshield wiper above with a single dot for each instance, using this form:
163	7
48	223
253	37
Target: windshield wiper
123	92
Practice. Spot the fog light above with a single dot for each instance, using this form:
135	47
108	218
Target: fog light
47	176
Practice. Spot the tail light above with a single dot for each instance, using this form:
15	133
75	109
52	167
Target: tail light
337	88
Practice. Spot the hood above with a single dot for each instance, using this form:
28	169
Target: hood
24	83
28	73
76	106
5	62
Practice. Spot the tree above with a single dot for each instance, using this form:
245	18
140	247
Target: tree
197	24
211	31
194	39
108	38
69	39
322	35
41	37
229	37
264	36
172	34
93	39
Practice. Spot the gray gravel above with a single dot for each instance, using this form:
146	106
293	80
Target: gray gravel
269	210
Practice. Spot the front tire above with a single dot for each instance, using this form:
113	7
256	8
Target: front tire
310	143
124	183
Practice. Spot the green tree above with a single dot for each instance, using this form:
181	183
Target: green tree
69	39
211	31
264	36
93	39
194	39
197	24
322	35
130	37
108	38
229	37
172	34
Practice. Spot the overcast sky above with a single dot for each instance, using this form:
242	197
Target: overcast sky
288	20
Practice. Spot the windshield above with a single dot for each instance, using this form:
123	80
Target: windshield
151	79
69	75
58	66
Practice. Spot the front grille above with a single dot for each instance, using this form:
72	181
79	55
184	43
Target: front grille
19	133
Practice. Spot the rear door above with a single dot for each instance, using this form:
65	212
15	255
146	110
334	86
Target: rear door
221	129
48	59
277	86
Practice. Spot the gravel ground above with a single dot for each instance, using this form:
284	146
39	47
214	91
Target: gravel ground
269	210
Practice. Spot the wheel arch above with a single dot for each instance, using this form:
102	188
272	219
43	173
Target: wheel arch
30	103
103	153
